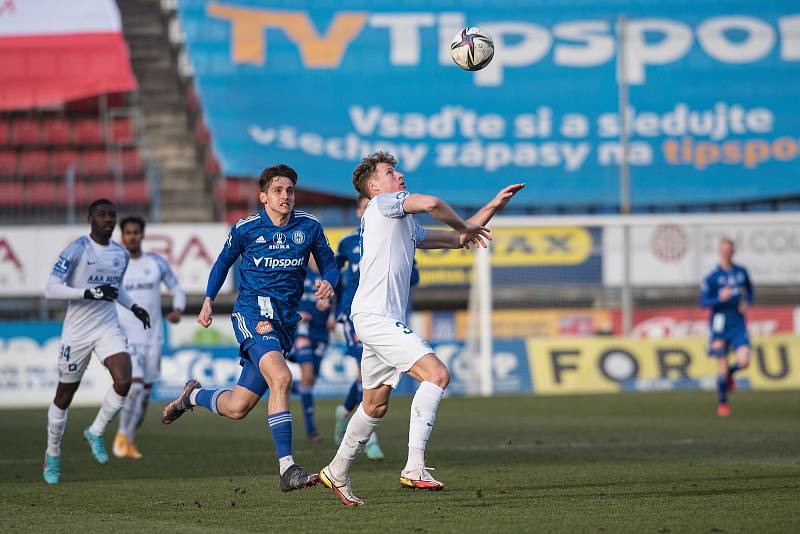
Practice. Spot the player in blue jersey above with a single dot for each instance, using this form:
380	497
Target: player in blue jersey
274	246
313	336
728	292
347	258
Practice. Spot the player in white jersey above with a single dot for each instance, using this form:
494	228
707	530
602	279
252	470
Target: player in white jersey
88	274
389	237
143	278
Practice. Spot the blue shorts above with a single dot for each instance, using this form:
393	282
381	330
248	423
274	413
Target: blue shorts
732	340
258	336
313	356
354	347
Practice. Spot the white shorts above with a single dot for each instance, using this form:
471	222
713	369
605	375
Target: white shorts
390	349
73	360
146	361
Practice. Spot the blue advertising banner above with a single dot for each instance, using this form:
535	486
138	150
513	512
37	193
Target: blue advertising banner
714	95
29	355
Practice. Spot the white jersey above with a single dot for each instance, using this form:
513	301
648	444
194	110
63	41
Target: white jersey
143	283
85	264
389	237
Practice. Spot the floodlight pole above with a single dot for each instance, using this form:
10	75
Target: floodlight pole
624	177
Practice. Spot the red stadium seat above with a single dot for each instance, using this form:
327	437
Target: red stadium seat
212	165
34	163
94	163
8	163
239	191
57	131
11	194
88	132
234	215
26	131
46	192
62	160
104	189
5	132
131	163
122	131
83	193
135	192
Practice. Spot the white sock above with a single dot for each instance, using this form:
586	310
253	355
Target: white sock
112	404
285	463
56	423
423	415
131	411
358	432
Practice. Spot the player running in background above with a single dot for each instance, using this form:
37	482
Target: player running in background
274	246
347	258
389	236
88	274
727	290
143	278
313	336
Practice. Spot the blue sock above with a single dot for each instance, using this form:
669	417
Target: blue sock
733	368
353	396
280	424
295	387
722	389
307	398
207	398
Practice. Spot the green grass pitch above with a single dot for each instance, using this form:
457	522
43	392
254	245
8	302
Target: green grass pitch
619	463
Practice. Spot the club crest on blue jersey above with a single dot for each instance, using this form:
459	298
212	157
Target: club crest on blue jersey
299	237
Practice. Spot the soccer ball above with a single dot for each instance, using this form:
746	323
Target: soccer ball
472	49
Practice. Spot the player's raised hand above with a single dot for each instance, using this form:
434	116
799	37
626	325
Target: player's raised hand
324	290
474	235
142	315
204	317
501	199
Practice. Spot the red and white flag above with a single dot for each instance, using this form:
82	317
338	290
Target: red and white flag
53	51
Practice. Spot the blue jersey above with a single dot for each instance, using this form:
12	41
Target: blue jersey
318	327
725	316
273	265
348	257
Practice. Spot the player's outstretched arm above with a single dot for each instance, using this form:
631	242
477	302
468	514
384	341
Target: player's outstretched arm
436	208
495	205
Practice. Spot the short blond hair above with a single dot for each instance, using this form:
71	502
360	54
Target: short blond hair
366	168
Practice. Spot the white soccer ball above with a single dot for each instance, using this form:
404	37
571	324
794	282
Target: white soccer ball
472	49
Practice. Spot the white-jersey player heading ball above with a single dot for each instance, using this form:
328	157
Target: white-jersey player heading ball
389	237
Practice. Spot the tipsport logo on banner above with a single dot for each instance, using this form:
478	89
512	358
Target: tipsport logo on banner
713	96
614	364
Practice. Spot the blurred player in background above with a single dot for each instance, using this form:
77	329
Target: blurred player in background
727	290
347	258
88	274
313	336
146	271
274	246
389	237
